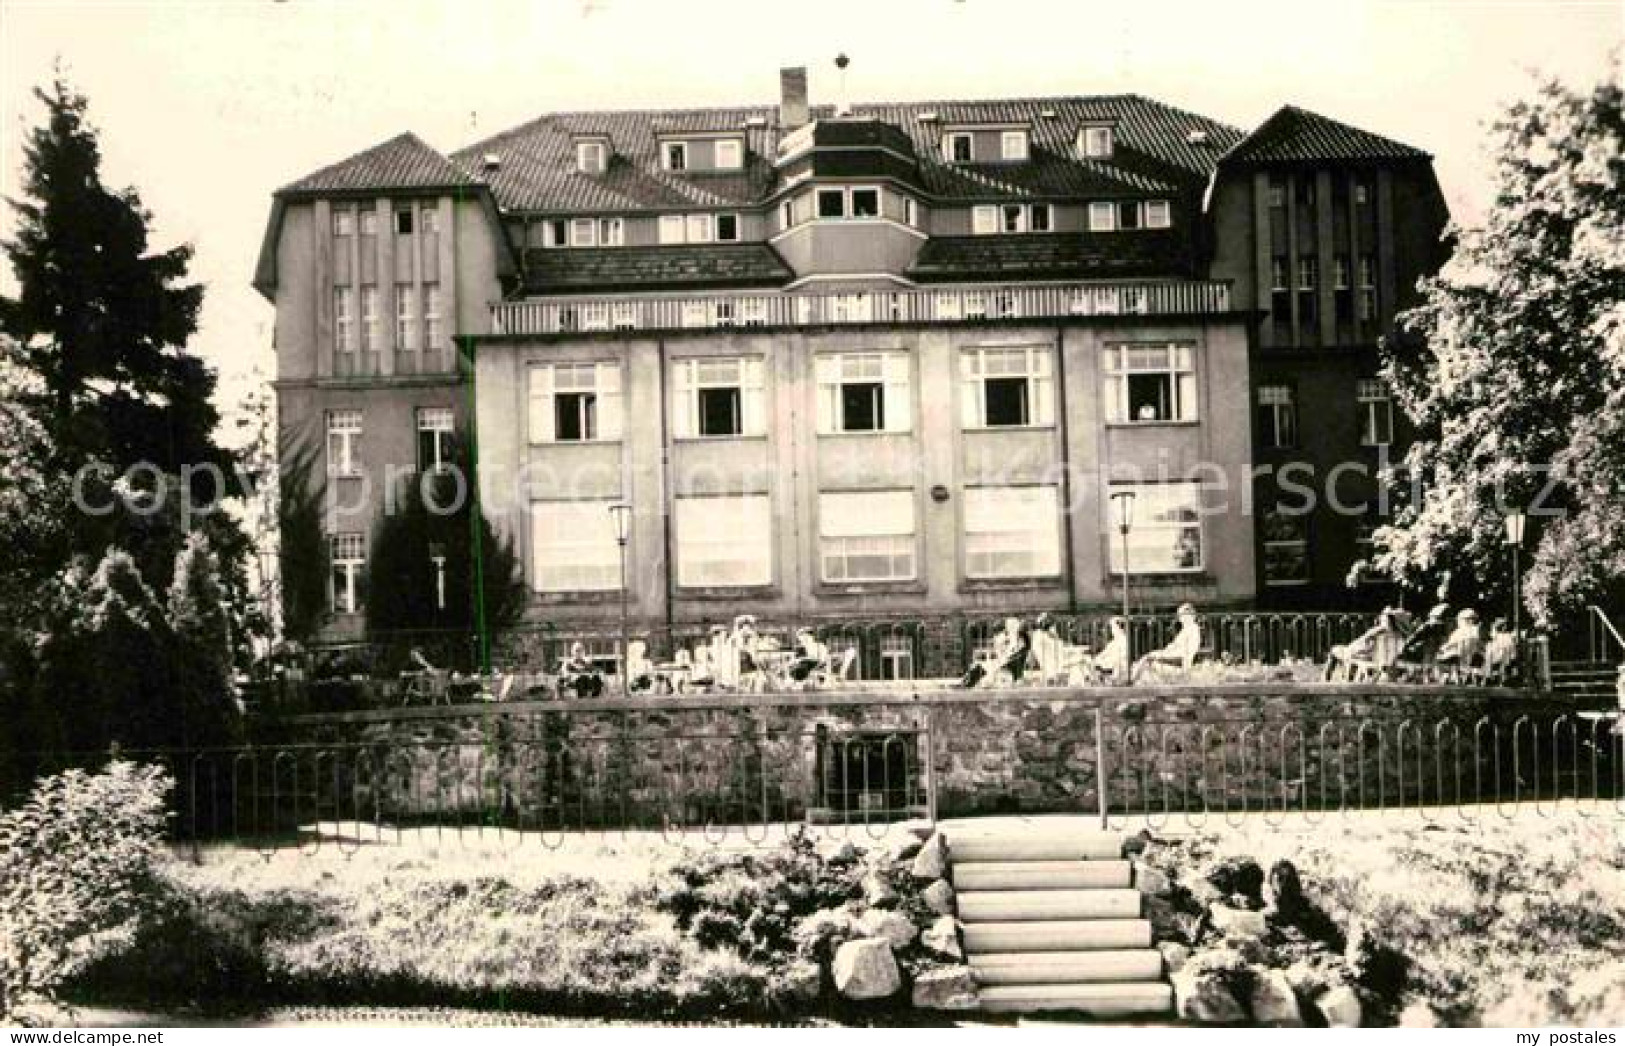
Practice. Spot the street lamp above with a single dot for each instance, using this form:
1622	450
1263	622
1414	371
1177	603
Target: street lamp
1123	510
1515	523
437	556
621	512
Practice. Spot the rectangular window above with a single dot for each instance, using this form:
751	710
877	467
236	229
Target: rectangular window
1158	215
348	554
369	319
1150	383
1012	532
1097	142
717	397
787	214
896	657
729	157
863	392
403	222
406	317
699	228
435	434
1278	273
911	212
960	148
1277	193
433	333
671	228
1362	194
1306	190
675	156
611	232
344	443
866	536
583	232
728	228
573	547
832	203
1308	273
1376	413
1368	288
1128	214
428	219
1277	416
1007	387
1166	537
344	319
865	203
555	232
343	221
1012	218
1102	217
1286	548
368	220
575	402
1042	219
1013	145
1340	272
590	157
984	220
724	541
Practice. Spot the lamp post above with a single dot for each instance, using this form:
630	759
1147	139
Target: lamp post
621	512
437	556
1123	510
1515	521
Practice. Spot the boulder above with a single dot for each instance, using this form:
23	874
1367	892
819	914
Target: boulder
1233	876
942	938
1174	956
1341	1007
803	981
1283	893
1136	844
919	828
865	969
939	897
896	929
877	892
1151	881
839	852
1273	1002
903	849
1238	922
1205	999
946	988
932	860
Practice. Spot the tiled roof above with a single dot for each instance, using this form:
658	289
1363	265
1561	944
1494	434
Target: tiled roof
1110	255
552	271
1297	134
404	162
1155	153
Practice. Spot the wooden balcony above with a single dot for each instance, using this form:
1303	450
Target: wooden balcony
573	315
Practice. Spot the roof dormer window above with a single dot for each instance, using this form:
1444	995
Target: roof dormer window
729	154
591	157
1013	145
959	147
674	157
1096	142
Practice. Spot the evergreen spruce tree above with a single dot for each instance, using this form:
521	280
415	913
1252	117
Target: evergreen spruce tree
200	620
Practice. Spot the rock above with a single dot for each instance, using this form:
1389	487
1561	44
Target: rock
1174	956
1418	1015
839	853
1151	881
865	970
1341	1007
903	849
1136	844
877	892
1283	893
919	828
947	988
1238	875
1273	1002
803	981
932	860
896	929
942	938
1205	999
1238	922
939	897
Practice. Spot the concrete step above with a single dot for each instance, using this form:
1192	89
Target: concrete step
1040	875
1096	1000
1048	905
1035	845
1078	935
1139	964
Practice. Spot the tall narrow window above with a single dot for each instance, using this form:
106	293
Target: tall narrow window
1150	383
787	214
717	397
1007	387
435	434
1376	413
911	212
1097	142
433	332
343	244
406	317
583	232
1042	221
671	228
1012	532
728	154
863	392
984	220
960	148
1158	214
344	319
1308	273
1277	416
1102	217
590	157
866	536
403	222
575	402
1013	145
369	319
727	228
1128	214
611	232
1368	287
1286	548
1012	218
699	228
348	554
344	443
676	156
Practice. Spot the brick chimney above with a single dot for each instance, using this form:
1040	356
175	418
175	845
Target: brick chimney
792	97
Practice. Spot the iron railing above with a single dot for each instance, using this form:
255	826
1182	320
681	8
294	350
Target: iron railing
777	310
707	769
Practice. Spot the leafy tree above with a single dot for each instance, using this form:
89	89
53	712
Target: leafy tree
434	513
1515	361
100	318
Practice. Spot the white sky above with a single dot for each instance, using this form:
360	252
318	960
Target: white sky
207	107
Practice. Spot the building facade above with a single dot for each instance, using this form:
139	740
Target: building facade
889	361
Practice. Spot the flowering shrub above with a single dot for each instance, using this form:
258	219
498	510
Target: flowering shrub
76	869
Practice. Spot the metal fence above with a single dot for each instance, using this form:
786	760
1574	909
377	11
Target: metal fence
715	768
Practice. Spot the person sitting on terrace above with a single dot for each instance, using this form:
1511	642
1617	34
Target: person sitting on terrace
1416	657
1112	661
1371	652
579	675
640	671
744	642
1463	649
702	669
1011	650
1059	662
1181	651
1500	653
811	656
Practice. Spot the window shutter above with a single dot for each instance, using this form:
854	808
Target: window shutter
682	399
750	374
899	404
609	401
541	404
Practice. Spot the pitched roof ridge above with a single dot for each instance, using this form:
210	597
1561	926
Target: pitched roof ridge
406	137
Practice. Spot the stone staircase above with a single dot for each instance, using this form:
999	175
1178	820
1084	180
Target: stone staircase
1052	921
1585	681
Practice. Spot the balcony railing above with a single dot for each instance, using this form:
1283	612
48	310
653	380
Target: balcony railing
932	305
